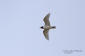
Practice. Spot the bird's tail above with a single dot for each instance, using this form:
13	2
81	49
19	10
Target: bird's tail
54	27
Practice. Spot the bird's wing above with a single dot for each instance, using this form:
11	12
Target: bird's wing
45	32
46	19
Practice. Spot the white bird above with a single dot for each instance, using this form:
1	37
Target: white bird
47	26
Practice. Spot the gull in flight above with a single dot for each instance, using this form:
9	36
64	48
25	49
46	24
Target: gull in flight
47	26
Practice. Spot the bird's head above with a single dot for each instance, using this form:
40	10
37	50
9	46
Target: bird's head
42	27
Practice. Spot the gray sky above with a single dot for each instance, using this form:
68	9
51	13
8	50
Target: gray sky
20	33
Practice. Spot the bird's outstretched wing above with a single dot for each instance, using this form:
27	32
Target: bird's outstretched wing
45	32
46	19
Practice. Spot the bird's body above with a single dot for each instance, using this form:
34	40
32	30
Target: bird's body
47	26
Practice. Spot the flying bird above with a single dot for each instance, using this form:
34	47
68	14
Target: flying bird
47	26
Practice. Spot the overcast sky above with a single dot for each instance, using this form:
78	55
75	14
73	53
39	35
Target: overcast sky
20	33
